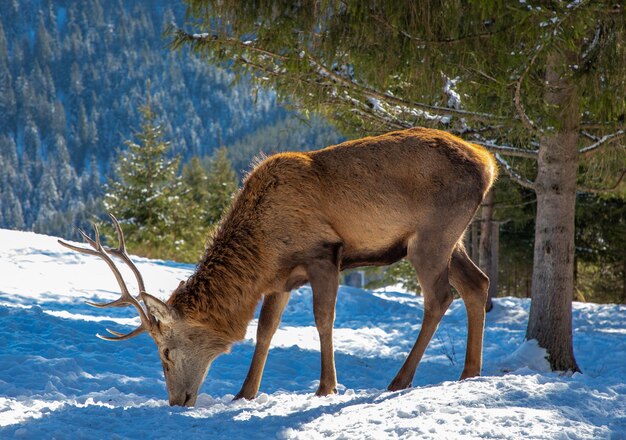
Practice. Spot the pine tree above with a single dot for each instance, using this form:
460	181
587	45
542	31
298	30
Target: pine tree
145	192
221	185
43	50
12	216
4	48
46	202
8	150
8	104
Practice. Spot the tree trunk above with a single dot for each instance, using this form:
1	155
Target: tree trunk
495	266
550	320
474	241
485	254
624	282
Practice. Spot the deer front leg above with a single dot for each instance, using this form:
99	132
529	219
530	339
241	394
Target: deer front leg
271	313
324	279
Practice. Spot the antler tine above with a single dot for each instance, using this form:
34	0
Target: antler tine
126	298
121	336
88	239
121	253
120	302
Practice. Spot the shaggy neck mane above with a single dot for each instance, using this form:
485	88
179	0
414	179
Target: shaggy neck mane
223	292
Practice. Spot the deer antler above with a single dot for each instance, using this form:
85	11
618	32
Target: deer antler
147	320
121	253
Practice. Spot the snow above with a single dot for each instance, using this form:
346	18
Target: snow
57	380
454	99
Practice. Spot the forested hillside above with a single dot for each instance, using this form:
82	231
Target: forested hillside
72	78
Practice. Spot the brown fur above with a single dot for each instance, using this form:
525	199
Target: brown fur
370	201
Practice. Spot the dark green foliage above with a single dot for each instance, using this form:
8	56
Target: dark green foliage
601	249
401	273
221	185
208	190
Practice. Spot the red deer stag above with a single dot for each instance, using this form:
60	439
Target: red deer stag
303	217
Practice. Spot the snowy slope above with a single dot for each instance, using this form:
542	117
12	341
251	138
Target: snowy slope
57	380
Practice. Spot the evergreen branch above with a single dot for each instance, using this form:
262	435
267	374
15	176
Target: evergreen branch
508	151
246	45
368	91
513	175
358	107
198	40
603	190
373	117
602	142
419	40
592	46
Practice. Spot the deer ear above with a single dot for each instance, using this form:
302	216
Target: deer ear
157	308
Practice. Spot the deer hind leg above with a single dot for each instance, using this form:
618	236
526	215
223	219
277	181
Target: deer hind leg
472	284
269	318
324	279
431	264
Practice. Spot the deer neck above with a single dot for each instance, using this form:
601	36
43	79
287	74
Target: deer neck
225	289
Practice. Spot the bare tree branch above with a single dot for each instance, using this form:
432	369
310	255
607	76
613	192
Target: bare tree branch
589	136
513	174
602	142
508	151
516	205
517	98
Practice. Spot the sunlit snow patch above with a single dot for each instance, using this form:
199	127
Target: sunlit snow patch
529	355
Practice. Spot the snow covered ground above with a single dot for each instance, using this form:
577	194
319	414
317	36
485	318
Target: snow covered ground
57	380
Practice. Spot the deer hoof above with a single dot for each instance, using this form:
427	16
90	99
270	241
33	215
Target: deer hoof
467	375
398	384
243	395
325	391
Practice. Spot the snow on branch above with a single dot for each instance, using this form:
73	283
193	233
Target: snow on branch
514	175
602	142
508	151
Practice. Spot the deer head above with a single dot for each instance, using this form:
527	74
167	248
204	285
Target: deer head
185	348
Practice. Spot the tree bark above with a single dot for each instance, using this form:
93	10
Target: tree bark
495	263
550	320
485	254
624	282
474	241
